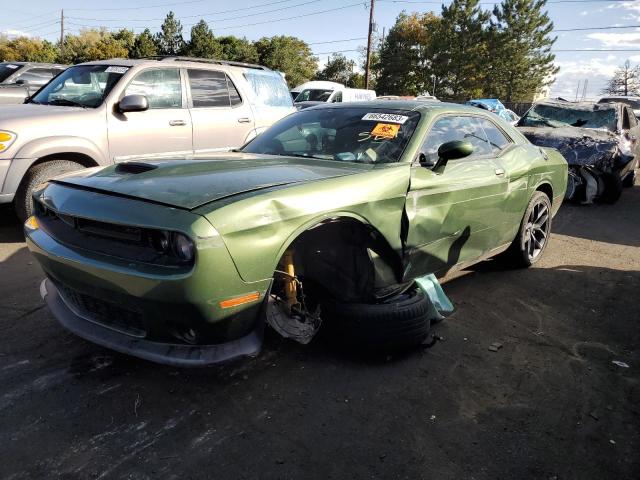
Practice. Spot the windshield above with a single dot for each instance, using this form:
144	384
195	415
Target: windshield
360	135
556	116
314	95
8	69
80	86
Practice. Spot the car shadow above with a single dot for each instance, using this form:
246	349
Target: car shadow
617	224
10	226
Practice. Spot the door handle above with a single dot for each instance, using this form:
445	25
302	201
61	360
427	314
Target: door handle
244	120
177	123
499	172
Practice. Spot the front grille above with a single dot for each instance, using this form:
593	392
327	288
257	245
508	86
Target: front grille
122	241
105	313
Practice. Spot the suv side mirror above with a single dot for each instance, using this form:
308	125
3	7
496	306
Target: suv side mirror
133	103
452	151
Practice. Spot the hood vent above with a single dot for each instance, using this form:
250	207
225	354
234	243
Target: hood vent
134	167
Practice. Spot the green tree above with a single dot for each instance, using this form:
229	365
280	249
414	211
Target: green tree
126	38
238	49
91	45
144	45
338	69
169	39
289	55
521	60
202	43
463	52
23	49
625	81
407	58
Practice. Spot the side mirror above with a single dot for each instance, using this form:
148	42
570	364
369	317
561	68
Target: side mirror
22	82
133	103
452	151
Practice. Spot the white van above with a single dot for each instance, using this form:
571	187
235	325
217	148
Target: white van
316	92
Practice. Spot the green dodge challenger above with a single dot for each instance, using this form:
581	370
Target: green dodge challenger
334	209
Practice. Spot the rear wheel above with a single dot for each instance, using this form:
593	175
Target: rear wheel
23	202
535	229
612	187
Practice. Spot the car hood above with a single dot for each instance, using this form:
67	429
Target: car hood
579	146
191	183
32	110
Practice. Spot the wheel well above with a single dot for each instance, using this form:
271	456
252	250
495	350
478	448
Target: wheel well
547	190
344	257
82	159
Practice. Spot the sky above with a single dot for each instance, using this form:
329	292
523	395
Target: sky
341	25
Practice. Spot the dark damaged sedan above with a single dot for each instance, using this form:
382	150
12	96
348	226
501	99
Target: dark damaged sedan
599	141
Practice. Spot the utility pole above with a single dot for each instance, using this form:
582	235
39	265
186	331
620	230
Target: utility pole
367	66
61	28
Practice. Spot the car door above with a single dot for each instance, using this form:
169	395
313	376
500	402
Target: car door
221	118
163	129
453	215
631	133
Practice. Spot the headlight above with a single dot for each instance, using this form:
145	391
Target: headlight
6	139
182	247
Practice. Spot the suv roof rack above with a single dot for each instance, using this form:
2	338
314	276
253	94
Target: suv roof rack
174	58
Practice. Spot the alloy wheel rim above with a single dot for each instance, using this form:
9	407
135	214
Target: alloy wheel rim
537	230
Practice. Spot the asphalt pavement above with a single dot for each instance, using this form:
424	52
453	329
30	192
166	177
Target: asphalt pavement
550	403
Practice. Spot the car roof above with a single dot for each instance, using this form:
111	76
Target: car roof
408	105
189	61
35	64
583	105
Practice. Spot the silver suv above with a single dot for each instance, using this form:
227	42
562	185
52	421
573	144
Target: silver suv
18	80
97	113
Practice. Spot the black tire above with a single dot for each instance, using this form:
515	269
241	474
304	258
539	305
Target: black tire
519	253
630	180
399	324
23	202
612	187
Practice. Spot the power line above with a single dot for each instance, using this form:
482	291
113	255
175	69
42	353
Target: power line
176	4
338	41
594	28
202	14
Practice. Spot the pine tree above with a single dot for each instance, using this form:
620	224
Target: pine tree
202	43
625	81
169	40
144	45
463	53
521	61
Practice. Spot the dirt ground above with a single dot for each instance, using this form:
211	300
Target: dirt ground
550	404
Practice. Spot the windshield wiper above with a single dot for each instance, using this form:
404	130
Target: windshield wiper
66	102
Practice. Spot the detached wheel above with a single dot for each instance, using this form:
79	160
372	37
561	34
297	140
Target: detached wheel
612	188
533	236
23	202
398	324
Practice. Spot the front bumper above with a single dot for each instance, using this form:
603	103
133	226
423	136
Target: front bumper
178	355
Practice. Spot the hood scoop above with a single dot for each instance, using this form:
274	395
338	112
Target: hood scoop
134	167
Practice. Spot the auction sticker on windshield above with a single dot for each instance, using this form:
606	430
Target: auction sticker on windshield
113	69
386	130
386	117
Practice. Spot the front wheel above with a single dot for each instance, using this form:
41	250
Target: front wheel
535	229
36	175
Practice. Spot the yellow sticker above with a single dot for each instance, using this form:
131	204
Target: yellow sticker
385	130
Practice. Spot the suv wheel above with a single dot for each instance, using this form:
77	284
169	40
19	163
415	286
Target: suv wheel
36	175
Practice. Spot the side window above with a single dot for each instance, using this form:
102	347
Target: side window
337	98
450	128
161	87
36	76
497	139
628	119
210	88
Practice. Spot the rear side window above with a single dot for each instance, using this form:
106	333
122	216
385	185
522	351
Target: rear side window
161	87
496	138
268	88
450	128
210	88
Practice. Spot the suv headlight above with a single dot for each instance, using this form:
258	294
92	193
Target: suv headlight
6	139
